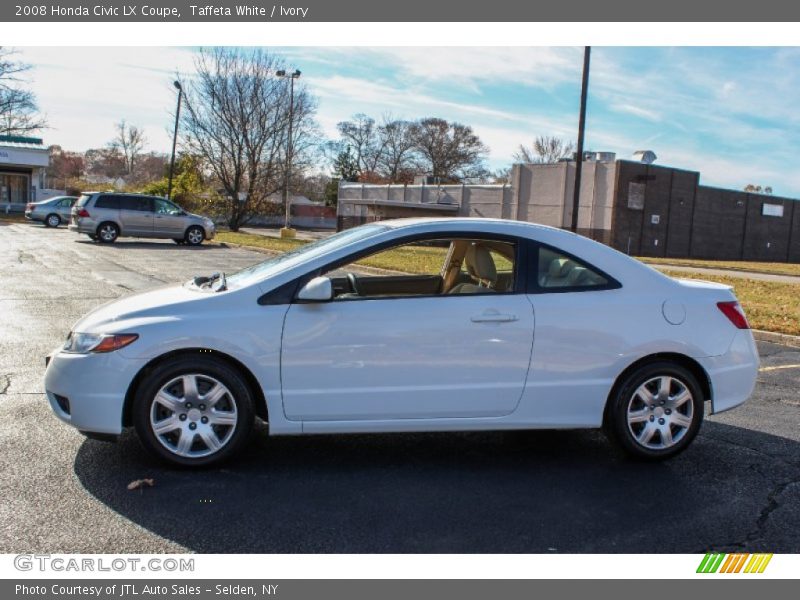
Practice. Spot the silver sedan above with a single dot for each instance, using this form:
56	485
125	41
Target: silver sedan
52	212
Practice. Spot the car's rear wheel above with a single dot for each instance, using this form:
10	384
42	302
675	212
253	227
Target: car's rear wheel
107	232
656	412
193	411
52	220
195	235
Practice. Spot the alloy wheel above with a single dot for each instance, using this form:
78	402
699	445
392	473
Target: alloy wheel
108	233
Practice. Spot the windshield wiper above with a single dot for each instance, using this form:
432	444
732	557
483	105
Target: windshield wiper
216	281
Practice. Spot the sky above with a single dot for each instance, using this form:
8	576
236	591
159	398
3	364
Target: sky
730	113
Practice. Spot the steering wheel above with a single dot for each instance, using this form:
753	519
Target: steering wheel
353	281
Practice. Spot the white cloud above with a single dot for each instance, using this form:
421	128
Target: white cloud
85	91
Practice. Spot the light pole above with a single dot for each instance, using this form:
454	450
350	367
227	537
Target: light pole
178	87
576	198
287	231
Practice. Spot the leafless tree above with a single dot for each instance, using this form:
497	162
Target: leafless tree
449	151
545	149
397	141
129	142
236	118
360	134
19	113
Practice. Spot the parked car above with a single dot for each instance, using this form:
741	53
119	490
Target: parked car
106	216
465	324
52	212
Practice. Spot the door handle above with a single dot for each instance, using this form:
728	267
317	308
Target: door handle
493	318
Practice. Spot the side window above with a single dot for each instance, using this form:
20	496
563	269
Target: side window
428	268
111	202
137	203
165	207
557	271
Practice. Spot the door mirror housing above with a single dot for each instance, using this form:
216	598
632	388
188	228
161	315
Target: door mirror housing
319	289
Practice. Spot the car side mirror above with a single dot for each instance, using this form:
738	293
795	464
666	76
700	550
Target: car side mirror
319	289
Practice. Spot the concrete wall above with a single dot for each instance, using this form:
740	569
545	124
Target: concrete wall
545	195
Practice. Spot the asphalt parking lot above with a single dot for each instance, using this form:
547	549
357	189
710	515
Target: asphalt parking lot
737	488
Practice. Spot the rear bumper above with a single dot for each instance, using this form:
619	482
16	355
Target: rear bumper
733	375
94	387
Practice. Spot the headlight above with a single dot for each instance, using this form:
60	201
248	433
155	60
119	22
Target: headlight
83	343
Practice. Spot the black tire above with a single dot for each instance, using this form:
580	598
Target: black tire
179	241
659	429
240	397
52	220
107	232
194	236
92	237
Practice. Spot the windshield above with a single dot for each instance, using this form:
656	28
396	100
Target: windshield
302	254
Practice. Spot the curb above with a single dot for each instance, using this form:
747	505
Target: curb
783	339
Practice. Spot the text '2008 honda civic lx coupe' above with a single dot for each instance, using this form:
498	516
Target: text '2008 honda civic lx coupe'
411	325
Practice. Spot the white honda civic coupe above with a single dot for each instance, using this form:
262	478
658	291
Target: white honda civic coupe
411	325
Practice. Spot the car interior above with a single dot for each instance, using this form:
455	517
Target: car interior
438	267
559	271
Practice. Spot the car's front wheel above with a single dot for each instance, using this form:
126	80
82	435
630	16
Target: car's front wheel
193	411
656	412
195	235
52	220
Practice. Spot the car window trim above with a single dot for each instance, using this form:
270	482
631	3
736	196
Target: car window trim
533	275
278	295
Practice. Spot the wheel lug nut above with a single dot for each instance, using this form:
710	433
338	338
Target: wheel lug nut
661	421
668	411
182	417
652	418
192	425
204	420
188	405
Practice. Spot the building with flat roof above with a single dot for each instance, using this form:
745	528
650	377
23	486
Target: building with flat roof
23	161
637	207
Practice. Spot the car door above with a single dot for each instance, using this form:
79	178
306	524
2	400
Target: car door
169	221
136	215
409	356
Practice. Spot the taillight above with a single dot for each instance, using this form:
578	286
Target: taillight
733	311
83	213
29	206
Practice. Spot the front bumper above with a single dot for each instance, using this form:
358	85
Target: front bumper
94	386
733	375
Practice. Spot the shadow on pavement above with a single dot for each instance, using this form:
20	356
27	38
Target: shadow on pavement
503	492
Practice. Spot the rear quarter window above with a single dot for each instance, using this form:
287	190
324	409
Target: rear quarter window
107	202
83	200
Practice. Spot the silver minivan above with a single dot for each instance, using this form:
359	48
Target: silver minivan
105	216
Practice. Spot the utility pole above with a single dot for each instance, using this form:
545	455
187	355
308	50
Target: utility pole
287	231
576	199
174	138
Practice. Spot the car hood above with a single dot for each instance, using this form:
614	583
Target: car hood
166	302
